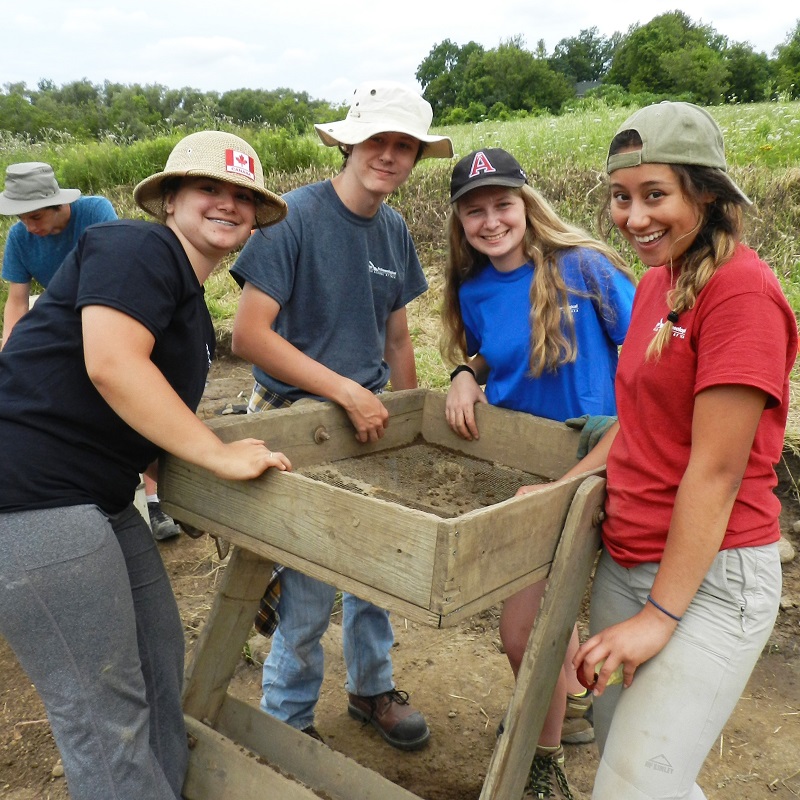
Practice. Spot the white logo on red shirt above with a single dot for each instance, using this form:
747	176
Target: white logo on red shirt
677	331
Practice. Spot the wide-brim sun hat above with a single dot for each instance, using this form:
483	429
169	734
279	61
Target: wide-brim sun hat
212	154
675	133
30	186
386	107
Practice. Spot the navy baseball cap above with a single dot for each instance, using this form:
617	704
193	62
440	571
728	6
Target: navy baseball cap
491	167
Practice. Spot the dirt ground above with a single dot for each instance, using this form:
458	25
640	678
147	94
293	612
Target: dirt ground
458	677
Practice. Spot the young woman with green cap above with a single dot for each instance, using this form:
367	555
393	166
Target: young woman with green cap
688	584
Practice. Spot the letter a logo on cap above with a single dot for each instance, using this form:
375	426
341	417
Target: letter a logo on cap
240	163
481	164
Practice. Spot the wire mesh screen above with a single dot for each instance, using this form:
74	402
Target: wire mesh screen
425	476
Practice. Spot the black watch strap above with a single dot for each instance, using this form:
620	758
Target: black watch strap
462	368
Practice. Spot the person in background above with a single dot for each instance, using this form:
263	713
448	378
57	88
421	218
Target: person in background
323	315
51	220
539	308
689	581
85	601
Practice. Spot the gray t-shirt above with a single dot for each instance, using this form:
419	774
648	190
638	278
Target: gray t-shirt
337	277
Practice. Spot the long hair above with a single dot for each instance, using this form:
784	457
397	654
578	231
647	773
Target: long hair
719	230
552	342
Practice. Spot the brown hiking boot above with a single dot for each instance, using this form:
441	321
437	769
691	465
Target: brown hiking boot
393	717
547	780
578	727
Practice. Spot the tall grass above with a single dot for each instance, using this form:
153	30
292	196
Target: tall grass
564	157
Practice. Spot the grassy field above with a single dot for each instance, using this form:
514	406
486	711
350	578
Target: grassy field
564	157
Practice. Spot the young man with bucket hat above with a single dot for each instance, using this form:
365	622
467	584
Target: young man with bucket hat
322	316
51	220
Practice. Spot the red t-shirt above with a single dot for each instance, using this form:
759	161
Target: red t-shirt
740	331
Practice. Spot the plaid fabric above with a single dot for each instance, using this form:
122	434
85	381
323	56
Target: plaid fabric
267	617
262	399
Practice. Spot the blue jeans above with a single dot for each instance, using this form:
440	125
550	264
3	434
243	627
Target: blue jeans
293	671
87	607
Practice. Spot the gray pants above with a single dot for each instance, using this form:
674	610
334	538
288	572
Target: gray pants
654	736
86	605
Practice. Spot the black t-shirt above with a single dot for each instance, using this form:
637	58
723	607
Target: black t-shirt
61	444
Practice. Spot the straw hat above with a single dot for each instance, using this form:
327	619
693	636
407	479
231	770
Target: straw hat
30	186
212	154
386	107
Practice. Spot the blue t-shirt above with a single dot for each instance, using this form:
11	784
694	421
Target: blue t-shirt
337	277
28	256
495	307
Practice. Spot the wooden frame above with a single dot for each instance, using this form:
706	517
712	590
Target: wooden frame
444	570
432	570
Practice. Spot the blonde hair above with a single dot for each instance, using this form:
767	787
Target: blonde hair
719	230
552	342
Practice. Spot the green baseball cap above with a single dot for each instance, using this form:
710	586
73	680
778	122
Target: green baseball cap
675	133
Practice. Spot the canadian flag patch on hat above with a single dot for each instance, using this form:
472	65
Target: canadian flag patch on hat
240	163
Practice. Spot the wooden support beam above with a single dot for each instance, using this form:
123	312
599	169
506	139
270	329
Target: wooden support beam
572	566
219	769
220	644
328	772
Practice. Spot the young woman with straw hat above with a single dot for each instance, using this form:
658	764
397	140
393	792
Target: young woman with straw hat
85	602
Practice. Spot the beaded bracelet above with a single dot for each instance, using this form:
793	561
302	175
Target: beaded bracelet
663	610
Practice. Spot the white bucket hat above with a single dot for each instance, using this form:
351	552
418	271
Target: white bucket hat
212	154
32	185
386	107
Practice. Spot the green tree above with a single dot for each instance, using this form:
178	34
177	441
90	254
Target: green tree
282	108
441	74
18	113
514	77
670	55
787	64
750	74
586	57
134	111
700	71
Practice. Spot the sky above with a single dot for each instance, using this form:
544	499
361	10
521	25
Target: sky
324	49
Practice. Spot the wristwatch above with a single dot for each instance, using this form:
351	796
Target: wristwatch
462	368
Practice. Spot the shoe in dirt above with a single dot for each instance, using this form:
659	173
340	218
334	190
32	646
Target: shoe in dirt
393	717
311	731
547	780
161	523
578	723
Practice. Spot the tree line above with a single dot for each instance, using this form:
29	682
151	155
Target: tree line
669	57
87	111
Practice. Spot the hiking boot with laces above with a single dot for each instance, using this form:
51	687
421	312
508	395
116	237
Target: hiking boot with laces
393	717
578	724
161	524
547	778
